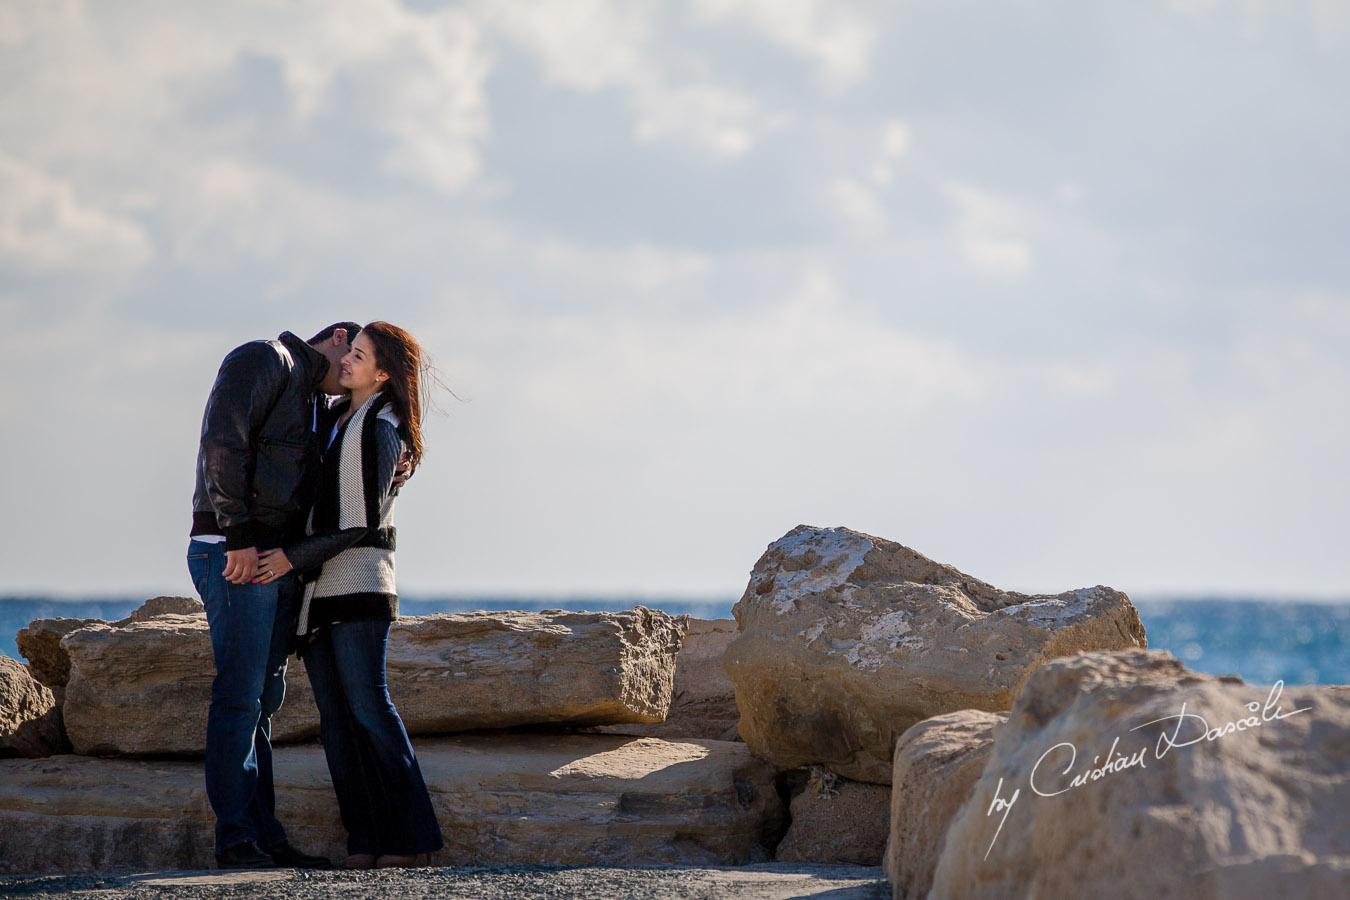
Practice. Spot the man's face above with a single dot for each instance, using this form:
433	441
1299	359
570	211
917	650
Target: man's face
334	348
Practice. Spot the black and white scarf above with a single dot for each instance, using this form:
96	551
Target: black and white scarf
357	583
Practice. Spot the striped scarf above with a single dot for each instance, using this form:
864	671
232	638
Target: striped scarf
357	583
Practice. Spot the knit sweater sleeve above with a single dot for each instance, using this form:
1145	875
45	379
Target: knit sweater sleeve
311	552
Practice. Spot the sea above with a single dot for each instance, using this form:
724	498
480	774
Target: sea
1263	640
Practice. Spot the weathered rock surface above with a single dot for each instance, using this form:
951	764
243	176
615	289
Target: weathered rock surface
469	671
144	688
40	641
937	763
508	799
846	640
1155	781
835	820
161	606
40	644
29	717
704	703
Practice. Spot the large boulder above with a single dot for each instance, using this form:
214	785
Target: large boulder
835	820
164	606
937	763
846	640
30	722
40	640
469	671
40	643
704	704
1127	775
143	688
574	800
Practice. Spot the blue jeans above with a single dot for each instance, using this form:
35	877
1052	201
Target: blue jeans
380	792
249	640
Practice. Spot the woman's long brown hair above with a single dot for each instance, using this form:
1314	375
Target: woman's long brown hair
410	378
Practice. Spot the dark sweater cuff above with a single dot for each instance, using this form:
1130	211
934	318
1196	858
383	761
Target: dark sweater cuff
240	537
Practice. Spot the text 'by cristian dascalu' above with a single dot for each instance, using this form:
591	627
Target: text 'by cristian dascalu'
1048	779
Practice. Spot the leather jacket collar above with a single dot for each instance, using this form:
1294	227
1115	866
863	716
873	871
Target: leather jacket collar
314	362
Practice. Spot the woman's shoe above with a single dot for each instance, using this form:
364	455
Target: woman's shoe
360	861
390	861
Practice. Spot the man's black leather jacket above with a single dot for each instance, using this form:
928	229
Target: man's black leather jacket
257	459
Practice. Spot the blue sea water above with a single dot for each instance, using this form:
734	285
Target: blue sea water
1264	641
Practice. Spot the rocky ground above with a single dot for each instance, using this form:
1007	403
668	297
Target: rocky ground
766	881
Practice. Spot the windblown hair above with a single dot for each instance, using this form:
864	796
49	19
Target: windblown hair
410	379
351	328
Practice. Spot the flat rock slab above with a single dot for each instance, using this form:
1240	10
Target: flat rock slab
500	799
766	881
141	688
846	640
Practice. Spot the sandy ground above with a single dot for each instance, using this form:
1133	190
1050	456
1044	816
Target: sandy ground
767	881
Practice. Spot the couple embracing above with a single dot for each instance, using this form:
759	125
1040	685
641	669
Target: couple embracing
304	445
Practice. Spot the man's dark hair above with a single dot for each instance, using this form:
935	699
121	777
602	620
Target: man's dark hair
351	327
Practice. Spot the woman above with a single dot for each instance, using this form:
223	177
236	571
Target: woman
347	563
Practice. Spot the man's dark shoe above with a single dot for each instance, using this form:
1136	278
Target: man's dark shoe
244	856
288	857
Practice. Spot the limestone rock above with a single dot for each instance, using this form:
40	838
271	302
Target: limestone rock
40	644
937	763
40	641
835	820
144	688
162	606
846	640
469	671
500	799
1154	781
29	717
704	703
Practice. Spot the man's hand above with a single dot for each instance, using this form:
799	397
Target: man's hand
241	566
402	472
272	564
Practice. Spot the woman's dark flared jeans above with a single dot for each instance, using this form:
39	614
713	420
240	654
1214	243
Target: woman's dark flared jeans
381	795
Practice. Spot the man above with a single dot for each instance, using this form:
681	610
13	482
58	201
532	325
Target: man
255	471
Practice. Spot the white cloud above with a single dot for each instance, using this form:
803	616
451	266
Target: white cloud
894	145
114	85
425	74
46	227
989	229
716	120
642	268
586	45
810	352
225	207
834	37
857	205
595	45
22	21
1329	20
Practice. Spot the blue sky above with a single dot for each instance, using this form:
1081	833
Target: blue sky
1053	292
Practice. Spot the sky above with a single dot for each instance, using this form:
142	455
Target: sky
1054	292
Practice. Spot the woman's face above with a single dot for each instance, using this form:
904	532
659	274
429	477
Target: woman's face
358	371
